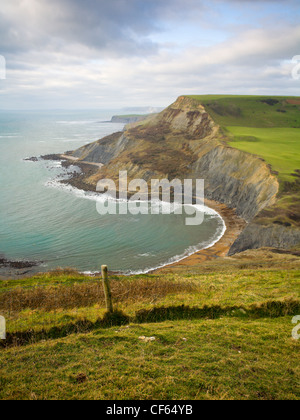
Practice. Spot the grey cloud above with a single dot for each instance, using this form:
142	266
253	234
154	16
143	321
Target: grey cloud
101	25
104	27
109	27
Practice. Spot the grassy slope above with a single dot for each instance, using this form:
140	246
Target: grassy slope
268	127
220	359
224	352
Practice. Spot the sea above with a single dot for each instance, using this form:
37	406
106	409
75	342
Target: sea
57	225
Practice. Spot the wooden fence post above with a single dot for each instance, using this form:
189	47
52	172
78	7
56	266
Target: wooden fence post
106	286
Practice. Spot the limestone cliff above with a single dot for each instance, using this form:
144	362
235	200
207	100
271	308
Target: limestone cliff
182	142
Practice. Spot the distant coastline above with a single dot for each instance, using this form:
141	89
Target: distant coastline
128	119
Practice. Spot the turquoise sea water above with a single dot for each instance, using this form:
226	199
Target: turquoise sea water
41	220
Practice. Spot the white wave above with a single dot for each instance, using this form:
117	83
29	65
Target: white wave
10	137
56	183
90	273
146	254
28	159
54	164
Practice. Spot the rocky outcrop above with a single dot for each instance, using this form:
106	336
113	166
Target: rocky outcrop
104	150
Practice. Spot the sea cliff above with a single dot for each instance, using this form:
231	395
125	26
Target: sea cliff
184	141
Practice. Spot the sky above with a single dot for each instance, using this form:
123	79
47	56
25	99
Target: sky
100	54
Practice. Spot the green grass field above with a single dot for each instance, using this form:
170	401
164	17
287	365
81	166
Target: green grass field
280	147
232	339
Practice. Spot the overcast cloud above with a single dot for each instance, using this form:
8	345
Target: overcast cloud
99	54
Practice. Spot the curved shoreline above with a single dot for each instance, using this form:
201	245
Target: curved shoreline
178	259
234	226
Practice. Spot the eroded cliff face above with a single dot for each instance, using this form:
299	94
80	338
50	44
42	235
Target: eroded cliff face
256	236
237	179
184	142
104	150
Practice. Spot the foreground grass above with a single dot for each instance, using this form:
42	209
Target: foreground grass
204	359
232	339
